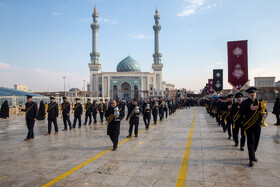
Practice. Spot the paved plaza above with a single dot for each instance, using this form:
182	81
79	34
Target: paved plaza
161	156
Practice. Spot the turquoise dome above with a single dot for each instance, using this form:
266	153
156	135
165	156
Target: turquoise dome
128	64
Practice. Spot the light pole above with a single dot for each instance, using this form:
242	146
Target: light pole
64	84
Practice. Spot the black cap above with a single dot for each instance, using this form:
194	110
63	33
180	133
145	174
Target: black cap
106	99
101	100
28	96
51	98
134	99
238	95
64	98
89	99
77	99
230	96
251	90
94	101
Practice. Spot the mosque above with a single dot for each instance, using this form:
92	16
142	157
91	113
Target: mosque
129	81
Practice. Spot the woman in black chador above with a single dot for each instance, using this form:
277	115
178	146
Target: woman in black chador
4	112
42	112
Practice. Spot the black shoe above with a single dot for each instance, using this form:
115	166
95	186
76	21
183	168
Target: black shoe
26	139
229	137
79	127
236	144
241	149
64	129
136	135
114	148
129	136
256	160
84	124
89	124
251	163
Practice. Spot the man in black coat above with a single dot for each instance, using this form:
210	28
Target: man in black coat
114	115
78	112
88	112
276	111
147	113
161	108
52	116
251	111
133	116
238	122
42	112
66	113
228	115
30	116
4	112
94	111
154	104
101	109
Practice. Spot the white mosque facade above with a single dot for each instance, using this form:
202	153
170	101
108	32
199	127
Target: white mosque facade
128	81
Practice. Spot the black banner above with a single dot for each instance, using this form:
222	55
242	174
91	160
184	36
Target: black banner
218	80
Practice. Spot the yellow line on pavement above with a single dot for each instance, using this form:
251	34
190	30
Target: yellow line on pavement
66	174
181	180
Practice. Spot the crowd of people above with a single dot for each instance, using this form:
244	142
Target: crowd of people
244	117
112	110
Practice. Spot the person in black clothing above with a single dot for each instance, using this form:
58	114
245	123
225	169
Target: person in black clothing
94	111
166	107
238	122
78	112
101	109
155	110
30	117
52	116
114	115
161	108
106	107
251	111
133	116
147	113
276	111
228	115
88	111
4	112
66	113
42	112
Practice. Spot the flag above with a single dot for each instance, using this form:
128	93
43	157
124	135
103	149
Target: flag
237	64
218	80
210	86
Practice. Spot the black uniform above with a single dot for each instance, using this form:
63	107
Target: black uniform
30	116
78	111
154	111
42	112
101	109
237	124
133	116
106	108
4	112
276	111
166	109
252	125
88	113
52	116
94	111
113	129
146	115
228	117
161	110
66	114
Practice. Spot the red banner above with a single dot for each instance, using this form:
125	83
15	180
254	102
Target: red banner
210	86
237	64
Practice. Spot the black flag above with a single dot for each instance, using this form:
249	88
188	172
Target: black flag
218	80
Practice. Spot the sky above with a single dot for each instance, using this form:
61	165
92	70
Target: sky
42	41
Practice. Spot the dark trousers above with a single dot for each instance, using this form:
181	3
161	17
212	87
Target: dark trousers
30	127
229	127
115	140
253	137
101	116
166	113
277	119
236	128
66	119
133	122
54	121
94	117
75	120
146	121
161	115
155	118
86	118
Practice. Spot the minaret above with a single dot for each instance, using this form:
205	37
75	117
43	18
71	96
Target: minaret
157	65
94	54
94	66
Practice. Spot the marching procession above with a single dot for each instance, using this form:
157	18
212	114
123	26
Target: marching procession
244	116
112	110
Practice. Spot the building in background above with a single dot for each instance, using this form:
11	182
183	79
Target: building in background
129	81
21	87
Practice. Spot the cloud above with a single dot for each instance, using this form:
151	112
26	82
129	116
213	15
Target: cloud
140	36
39	79
56	13
106	20
2	4
192	6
